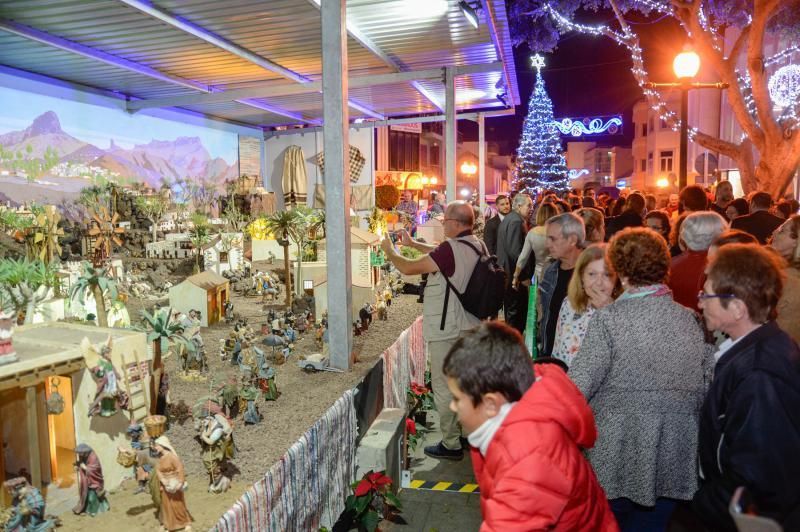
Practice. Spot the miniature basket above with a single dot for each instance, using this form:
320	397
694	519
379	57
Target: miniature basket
155	425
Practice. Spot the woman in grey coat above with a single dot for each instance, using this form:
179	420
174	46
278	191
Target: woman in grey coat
643	367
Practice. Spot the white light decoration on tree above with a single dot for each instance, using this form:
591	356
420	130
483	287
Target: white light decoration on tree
540	157
784	86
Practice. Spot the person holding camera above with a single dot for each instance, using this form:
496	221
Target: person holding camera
443	317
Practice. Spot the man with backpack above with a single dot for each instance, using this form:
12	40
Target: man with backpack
454	282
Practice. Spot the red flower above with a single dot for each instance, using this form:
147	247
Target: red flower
411	427
372	481
418	389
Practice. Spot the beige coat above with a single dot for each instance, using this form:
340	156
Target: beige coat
789	304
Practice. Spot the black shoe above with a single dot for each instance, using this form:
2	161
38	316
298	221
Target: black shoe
439	451
464	442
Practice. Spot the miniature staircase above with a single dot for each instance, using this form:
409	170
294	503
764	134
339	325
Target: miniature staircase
135	382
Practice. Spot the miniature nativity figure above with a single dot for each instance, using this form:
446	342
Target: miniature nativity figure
172	512
143	463
91	485
109	397
26	513
265	378
365	316
275	340
216	438
7	321
249	394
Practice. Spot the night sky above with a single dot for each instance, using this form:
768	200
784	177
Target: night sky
589	76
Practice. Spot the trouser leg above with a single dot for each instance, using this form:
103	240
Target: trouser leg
448	422
515	307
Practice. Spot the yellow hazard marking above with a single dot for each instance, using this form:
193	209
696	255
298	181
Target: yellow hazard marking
442	486
468	488
417	484
453	487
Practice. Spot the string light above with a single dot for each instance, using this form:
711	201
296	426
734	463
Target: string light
595	126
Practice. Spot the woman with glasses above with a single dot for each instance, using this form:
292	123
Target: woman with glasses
786	242
643	367
749	424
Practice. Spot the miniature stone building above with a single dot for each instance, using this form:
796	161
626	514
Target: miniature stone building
224	253
174	246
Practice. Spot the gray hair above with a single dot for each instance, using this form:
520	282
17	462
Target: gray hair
571	225
521	199
699	229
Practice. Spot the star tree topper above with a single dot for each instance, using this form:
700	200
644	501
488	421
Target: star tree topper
537	61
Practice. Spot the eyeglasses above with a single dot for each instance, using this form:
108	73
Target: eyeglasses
701	295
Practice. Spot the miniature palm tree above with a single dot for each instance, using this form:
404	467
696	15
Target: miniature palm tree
200	235
304	220
234	217
98	283
162	331
24	284
152	208
280	225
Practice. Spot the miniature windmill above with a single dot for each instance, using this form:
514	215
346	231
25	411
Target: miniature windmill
45	234
105	233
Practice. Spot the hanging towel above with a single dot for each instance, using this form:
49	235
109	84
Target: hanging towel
295	180
357	161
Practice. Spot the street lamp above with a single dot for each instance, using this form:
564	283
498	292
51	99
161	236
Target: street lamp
685	65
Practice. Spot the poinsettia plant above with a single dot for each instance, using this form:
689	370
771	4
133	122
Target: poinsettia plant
371	501
419	397
413	433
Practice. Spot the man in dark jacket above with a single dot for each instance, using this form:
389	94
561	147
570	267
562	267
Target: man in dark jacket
750	421
510	239
759	223
630	217
503	204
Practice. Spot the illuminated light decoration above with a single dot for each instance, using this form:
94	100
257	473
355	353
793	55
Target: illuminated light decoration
588	126
537	62
784	86
540	157
468	167
662	183
425	180
465	192
575	173
434	180
686	64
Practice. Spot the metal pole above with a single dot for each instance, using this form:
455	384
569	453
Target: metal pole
684	136
450	133
337	181
481	162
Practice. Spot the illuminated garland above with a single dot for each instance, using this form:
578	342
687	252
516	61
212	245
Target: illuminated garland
595	126
576	173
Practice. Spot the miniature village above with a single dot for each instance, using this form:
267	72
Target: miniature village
151	341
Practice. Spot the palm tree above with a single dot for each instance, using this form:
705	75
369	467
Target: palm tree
24	284
200	235
281	224
304	220
96	281
163	331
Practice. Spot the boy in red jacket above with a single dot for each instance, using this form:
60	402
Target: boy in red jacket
526	430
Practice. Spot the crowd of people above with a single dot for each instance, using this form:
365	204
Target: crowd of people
668	369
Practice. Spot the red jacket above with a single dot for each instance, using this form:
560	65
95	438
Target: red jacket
687	274
534	475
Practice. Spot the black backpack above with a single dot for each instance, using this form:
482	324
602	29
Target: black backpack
483	296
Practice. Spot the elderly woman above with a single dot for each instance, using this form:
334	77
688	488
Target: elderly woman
749	428
595	224
535	241
698	231
786	242
643	367
592	287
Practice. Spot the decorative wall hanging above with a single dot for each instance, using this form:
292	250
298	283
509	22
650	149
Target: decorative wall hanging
357	161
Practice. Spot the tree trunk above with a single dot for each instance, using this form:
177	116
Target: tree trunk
287	267
155	231
102	317
155	380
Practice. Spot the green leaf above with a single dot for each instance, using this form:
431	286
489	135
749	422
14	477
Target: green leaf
370	521
362	503
392	500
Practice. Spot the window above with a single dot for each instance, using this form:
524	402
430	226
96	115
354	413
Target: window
643	165
666	161
644	130
650	125
650	163
423	155
223	256
662	124
435	155
404	151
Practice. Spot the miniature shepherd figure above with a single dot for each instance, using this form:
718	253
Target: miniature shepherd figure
217	441
90	481
172	512
108	398
27	508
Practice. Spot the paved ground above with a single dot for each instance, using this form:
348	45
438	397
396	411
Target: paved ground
439	511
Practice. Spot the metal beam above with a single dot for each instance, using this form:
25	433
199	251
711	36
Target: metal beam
337	182
481	162
450	133
118	62
184	25
492	24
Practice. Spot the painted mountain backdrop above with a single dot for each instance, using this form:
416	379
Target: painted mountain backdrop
43	149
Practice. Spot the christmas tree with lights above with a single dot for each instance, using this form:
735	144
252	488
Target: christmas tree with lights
540	158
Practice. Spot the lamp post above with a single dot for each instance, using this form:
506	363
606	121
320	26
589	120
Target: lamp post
685	65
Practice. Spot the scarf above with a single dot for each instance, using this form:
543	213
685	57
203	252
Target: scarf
481	437
656	290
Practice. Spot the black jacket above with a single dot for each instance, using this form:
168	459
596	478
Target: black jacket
760	224
510	240
626	219
490	234
750	430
